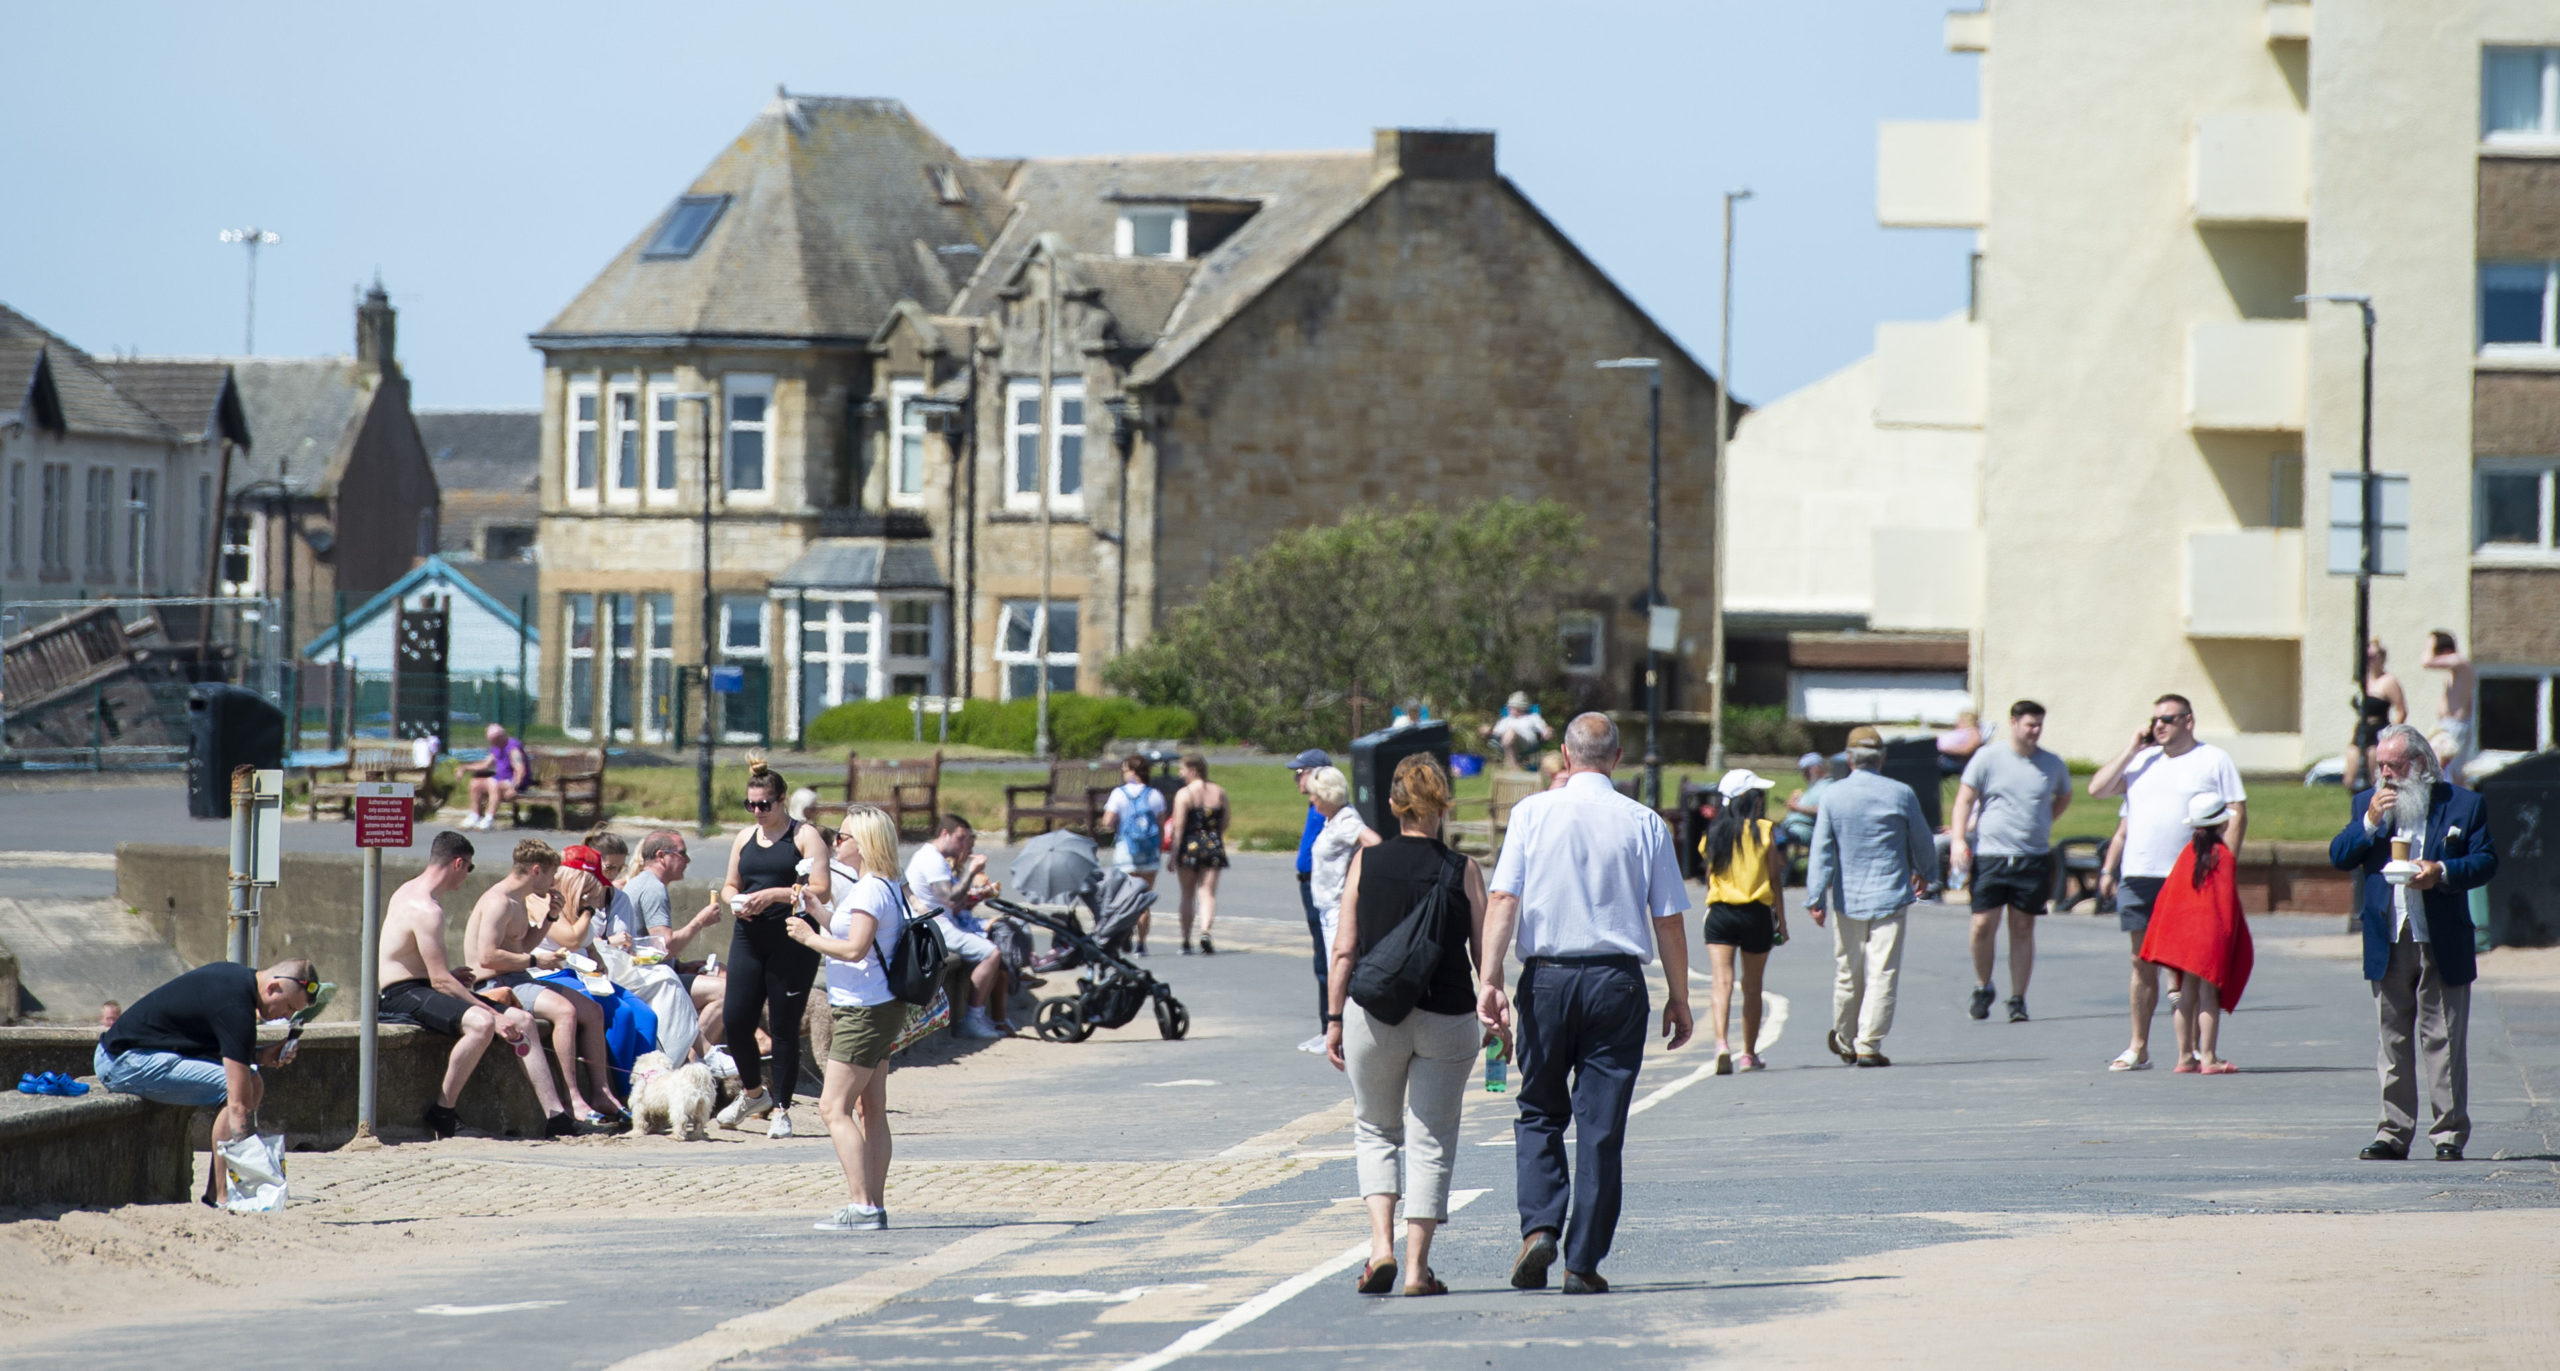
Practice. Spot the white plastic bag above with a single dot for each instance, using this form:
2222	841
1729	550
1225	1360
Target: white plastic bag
254	1168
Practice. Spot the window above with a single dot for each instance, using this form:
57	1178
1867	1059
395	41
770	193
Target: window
98	526
742	625
750	432
2390	524
662	435
1022	626
657	717
578	716
835	655
2284	490
582	436
2512	506
2519	94
1066	444
17	518
2516	307
1153	231
622	612
911	628
53	522
946	183
906	442
686	225
2517	710
624	405
506	542
1584	637
240	555
142	537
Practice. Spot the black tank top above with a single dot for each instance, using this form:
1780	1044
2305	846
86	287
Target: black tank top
774	866
1393	878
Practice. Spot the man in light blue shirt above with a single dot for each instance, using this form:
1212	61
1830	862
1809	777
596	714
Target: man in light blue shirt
1590	882
1872	856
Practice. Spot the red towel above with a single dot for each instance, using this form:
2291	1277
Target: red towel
2199	929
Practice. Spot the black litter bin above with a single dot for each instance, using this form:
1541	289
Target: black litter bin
1914	762
1164	773
2524	821
1373	766
1698	805
227	728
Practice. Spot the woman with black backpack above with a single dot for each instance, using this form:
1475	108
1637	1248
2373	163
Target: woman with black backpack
1401	1018
865	923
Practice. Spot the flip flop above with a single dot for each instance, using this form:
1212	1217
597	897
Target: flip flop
2221	1069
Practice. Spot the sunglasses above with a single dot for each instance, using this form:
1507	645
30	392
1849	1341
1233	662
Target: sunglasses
2167	720
759	806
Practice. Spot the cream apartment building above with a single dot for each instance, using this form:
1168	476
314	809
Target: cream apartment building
2161	424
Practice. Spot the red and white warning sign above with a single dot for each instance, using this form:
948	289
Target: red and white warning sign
382	813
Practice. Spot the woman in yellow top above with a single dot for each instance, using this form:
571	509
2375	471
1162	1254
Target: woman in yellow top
1746	909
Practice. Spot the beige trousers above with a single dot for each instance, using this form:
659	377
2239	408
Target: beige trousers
1408	1085
1870	957
2425	1024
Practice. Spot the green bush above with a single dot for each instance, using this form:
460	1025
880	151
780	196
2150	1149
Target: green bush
1079	725
1764	730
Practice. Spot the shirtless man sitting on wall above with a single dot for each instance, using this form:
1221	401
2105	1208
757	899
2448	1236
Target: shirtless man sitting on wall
504	944
418	987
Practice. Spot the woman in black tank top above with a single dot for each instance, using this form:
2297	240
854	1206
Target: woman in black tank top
767	970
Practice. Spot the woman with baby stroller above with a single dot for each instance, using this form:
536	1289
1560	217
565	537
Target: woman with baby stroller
864	921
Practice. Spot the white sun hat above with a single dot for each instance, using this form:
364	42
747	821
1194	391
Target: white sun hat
1740	780
2206	810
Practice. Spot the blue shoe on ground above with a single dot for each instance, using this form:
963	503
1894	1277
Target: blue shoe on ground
30	1084
66	1086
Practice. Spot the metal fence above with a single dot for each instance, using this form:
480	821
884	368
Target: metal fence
95	684
342	704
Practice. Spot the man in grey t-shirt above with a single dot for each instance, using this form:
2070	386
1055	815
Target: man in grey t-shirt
2012	792
663	862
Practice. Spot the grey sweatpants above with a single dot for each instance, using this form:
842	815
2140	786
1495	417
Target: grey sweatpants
1405	1077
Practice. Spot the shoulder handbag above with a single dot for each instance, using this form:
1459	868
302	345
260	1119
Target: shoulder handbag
1391	979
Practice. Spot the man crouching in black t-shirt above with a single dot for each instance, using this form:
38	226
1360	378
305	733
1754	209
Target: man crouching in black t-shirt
194	1042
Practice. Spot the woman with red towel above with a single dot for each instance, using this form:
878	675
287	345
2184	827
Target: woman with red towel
2197	930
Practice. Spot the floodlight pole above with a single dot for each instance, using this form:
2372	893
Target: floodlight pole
2368	553
252	239
1652	368
1724	418
702	768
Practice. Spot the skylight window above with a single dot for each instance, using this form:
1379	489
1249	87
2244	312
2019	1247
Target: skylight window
686	226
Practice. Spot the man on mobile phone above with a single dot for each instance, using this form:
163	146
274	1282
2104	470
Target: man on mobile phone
2156	774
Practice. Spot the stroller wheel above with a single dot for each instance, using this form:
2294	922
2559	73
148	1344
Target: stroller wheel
1059	1023
1172	1020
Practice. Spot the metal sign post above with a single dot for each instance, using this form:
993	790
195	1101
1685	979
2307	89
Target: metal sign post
382	820
257	854
942	707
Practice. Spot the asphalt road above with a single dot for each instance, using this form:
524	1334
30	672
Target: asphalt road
1744	1194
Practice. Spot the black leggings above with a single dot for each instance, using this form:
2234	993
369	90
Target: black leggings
767	968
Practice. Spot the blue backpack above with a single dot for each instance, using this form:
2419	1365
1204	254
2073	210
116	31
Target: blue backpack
1140	830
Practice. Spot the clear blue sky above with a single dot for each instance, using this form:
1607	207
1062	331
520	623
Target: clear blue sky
489	159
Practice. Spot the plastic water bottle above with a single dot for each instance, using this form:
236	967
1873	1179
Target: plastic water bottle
1497	1068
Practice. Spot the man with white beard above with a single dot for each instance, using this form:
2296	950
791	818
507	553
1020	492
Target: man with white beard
2420	842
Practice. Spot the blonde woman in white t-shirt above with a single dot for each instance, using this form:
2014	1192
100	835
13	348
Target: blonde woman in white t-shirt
864	921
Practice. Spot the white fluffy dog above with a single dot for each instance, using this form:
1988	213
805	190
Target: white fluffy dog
669	1099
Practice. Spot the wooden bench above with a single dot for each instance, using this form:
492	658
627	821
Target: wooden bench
1510	787
911	791
1072	797
373	762
566	778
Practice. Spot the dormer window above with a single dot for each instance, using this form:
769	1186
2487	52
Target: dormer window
685	226
946	183
1154	231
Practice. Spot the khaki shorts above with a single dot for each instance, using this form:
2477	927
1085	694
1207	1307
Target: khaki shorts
864	1033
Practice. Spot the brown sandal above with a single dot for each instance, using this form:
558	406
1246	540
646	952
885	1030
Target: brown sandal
1377	1277
1428	1285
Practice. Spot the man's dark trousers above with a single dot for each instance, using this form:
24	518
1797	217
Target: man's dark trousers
1324	954
1582	1029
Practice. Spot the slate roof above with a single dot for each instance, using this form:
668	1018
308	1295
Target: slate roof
88	401
835	215
194	397
863	564
505	582
498	451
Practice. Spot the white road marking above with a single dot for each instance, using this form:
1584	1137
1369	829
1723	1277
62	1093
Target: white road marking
1192	1081
796	1319
1042	1299
1773	1025
1278	1295
464	1311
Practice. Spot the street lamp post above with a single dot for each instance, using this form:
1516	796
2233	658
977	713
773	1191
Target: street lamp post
1724	417
252	239
1652	368
2367	549
702	768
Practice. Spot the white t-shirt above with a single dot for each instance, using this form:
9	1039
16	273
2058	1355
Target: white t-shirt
864	982
2157	787
932	880
1527	729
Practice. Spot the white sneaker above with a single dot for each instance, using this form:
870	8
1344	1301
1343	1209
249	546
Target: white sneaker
737	1110
853	1218
780	1127
1314	1044
975	1024
721	1063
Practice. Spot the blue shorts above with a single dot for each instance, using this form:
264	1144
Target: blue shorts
1144	863
164	1077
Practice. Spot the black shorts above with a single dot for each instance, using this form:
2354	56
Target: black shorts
1742	927
422	1004
2018	882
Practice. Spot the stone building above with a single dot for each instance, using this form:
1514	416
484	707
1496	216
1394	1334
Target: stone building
852	315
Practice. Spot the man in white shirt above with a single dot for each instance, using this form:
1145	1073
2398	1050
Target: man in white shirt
1589	882
948	878
1520	732
2156	774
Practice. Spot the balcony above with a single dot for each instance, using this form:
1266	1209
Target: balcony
1931	174
1931	375
2247	376
2244	583
2251	169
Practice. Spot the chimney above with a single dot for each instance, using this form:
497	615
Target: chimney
376	325
1435	154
